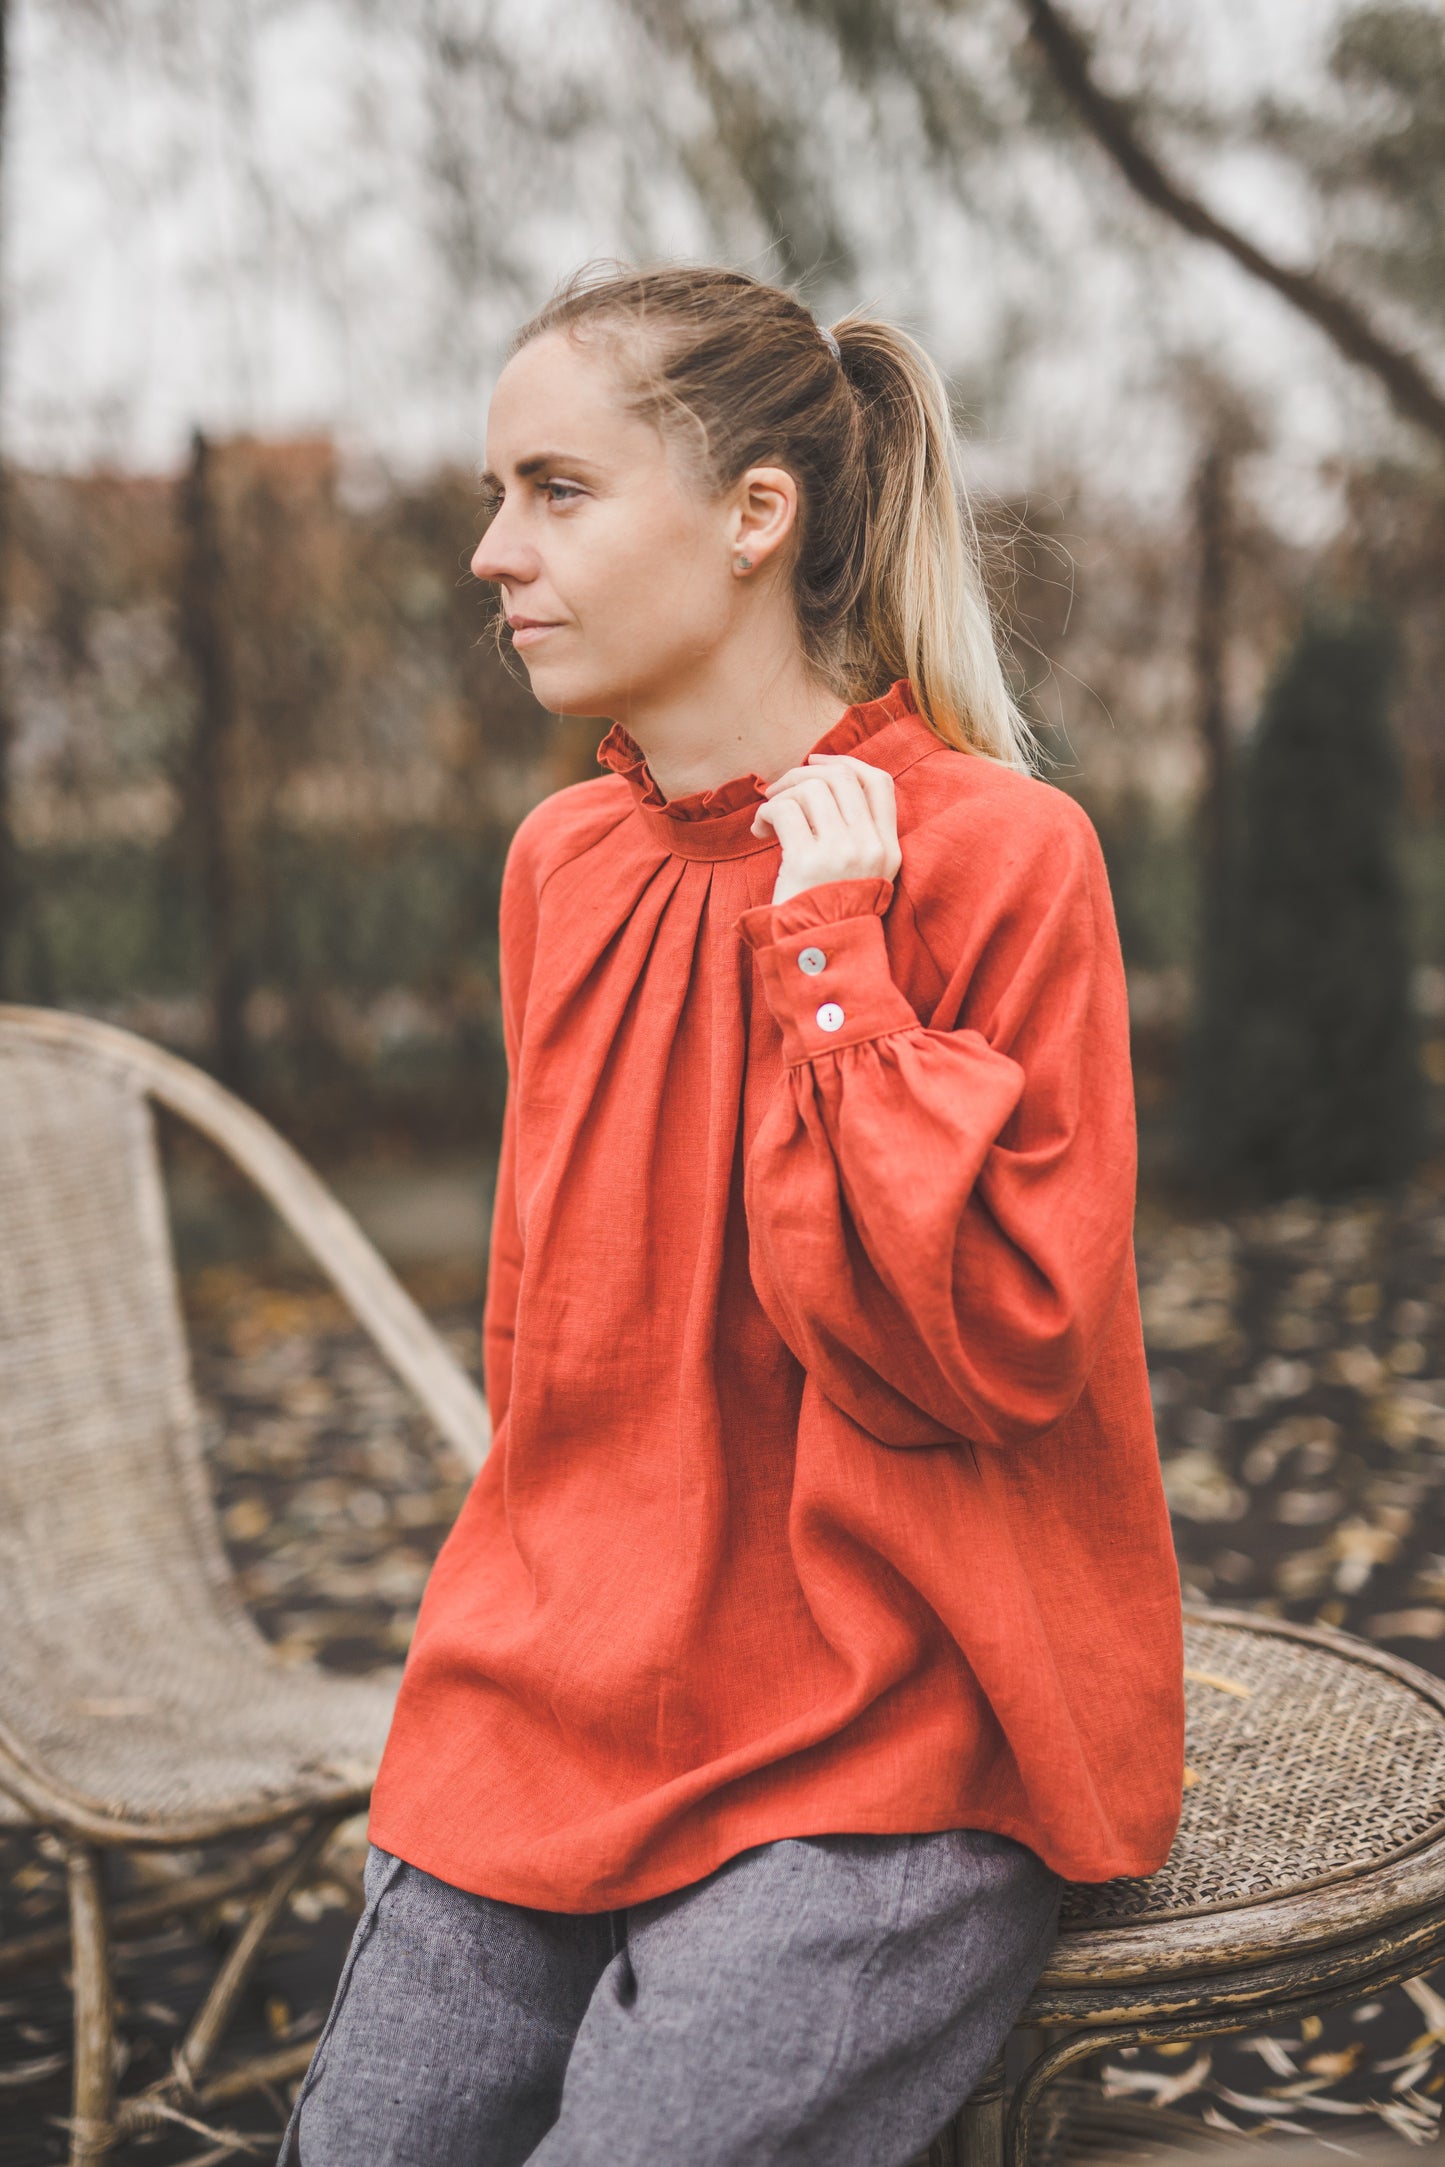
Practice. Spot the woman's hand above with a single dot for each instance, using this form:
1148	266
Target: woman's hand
835	818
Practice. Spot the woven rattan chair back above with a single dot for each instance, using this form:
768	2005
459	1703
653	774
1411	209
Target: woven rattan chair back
109	1560
136	1694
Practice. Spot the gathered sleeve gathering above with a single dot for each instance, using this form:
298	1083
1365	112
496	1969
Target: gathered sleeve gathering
940	1213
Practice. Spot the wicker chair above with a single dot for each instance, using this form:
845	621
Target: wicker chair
1308	1871
139	1705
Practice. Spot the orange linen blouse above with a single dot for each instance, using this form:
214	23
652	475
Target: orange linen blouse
824	1493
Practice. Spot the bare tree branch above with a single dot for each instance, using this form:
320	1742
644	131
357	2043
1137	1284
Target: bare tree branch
1112	125
752	99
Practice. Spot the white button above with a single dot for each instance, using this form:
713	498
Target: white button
812	960
830	1017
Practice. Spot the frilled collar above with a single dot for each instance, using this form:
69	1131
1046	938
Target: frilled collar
716	823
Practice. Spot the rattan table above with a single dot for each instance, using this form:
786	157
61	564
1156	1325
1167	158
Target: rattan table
1308	1870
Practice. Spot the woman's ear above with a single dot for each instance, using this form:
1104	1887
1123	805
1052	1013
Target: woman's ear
762	513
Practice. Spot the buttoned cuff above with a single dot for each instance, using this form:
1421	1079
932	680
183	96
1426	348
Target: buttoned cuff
824	965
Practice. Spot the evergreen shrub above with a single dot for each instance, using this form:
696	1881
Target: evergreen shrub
1305	1069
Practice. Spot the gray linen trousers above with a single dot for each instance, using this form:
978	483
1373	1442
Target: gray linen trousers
821	2001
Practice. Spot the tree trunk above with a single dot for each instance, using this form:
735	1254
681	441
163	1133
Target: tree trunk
1212	489
212	782
12	890
1207	1069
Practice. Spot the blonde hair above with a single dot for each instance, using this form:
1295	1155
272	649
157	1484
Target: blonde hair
887	573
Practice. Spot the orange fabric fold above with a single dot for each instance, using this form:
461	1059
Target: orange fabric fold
824	1492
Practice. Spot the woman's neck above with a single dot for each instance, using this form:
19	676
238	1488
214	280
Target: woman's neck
734	720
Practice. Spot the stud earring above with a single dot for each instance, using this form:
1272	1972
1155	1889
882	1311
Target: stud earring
745	564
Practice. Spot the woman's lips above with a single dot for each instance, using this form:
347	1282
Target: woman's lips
526	633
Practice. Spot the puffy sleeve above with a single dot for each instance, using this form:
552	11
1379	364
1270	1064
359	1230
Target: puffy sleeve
517	939
940	1214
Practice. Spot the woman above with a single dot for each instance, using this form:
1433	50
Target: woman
815	1612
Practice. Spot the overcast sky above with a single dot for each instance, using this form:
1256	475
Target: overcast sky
242	227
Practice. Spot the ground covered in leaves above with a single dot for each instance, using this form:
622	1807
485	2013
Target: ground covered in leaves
1298	1365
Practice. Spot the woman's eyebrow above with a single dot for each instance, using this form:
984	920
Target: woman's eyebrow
526	468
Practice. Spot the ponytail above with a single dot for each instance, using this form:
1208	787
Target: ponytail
888	575
922	610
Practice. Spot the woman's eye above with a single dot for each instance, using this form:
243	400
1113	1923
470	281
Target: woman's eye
560	492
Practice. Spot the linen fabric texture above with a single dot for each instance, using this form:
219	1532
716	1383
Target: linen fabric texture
824	1492
828	2000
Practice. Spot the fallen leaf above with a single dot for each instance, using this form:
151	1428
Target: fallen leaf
1412	2053
1198	1488
1188	2080
1417	2128
247	1519
1221	1685
1303	1573
1164	2090
19	2074
1274	2053
1337	2065
1419	1624
1429	2004
1410	2077
1307	1508
1358	1367
1249	2102
1318	2104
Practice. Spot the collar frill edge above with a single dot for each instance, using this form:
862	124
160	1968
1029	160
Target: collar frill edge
620	751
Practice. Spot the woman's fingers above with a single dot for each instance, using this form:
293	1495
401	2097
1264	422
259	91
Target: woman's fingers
828	764
839	830
875	783
853	783
817	786
859	783
789	823
829	812
835	818
827	831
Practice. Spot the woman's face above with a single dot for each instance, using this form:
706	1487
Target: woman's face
616	572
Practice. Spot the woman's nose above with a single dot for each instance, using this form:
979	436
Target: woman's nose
501	554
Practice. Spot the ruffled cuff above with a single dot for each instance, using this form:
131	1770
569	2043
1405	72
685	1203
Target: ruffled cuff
824	965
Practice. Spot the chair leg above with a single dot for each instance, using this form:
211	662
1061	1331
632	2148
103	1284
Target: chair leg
92	2125
978	2132
194	2054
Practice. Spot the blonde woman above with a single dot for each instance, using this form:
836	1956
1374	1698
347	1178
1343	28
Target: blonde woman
815	1614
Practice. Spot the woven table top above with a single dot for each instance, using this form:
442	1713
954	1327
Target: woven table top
1312	1765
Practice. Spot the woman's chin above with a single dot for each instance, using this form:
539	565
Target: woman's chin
564	691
